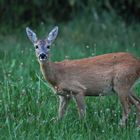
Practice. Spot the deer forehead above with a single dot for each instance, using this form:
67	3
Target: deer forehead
41	43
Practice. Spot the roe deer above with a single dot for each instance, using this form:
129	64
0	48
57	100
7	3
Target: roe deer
94	76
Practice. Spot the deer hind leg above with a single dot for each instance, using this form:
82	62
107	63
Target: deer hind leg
126	105
126	109
135	101
63	104
79	98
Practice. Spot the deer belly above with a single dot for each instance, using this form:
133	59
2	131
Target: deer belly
108	90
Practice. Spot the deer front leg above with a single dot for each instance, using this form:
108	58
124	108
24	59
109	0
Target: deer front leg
63	103
79	98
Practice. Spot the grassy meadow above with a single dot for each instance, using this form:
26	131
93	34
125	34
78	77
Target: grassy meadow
27	102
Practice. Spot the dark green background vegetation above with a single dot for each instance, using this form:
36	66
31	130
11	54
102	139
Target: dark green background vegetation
86	28
16	12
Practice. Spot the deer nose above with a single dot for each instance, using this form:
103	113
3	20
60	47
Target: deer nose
42	56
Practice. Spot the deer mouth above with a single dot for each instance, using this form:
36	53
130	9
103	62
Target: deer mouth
42	59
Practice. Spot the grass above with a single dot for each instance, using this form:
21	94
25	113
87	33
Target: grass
28	104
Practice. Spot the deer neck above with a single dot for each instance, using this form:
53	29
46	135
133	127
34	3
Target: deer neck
48	71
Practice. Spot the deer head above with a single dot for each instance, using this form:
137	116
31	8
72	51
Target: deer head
42	46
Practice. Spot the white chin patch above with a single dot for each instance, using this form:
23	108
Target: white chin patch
42	59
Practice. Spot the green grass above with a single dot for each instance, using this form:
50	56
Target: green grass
28	104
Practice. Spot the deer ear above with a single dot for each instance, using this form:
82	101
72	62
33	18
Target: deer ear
52	35
31	35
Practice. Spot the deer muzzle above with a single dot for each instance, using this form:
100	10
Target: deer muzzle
42	56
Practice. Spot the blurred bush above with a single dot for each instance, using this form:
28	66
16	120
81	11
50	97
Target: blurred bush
16	12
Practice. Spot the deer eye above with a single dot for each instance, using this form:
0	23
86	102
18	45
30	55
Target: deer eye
48	47
36	47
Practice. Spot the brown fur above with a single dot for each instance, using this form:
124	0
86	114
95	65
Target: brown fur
94	74
93	77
